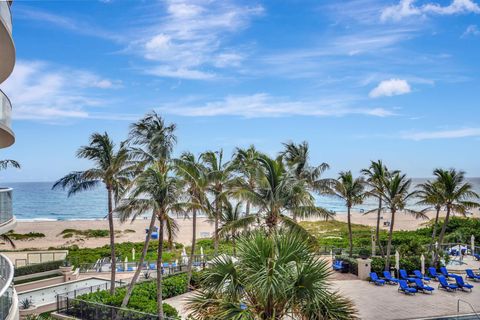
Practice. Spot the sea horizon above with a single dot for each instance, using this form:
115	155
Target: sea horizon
36	201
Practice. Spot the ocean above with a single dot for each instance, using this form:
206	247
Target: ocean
37	201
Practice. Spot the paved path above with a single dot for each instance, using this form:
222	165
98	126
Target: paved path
378	303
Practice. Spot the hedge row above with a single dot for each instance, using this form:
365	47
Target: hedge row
39	267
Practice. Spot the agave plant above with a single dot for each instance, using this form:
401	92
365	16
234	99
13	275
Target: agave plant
275	276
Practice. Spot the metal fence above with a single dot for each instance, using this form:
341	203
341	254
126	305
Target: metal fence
6	288
86	310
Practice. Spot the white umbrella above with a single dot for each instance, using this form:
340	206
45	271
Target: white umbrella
125	266
184	257
422	260
201	253
133	254
373	245
397	260
473	244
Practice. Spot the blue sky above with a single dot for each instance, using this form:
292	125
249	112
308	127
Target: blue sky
359	80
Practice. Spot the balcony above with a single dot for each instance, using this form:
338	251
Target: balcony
7	219
8	297
7	138
7	47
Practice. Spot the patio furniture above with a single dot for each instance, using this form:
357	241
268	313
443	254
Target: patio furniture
446	274
472	275
419	275
403	287
462	284
404	276
443	284
374	278
420	286
388	277
433	273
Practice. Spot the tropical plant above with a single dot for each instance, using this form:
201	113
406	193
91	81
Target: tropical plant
219	175
376	174
457	195
154	190
431	195
230	228
352	191
277	194
112	169
194	182
395	195
153	143
275	276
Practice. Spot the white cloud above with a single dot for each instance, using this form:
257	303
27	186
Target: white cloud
442	134
191	37
407	8
41	91
263	105
472	30
392	87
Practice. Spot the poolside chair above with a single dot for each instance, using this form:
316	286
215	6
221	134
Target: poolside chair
403	287
153	266
477	256
419	275
433	273
462	284
337	265
404	276
471	275
443	284
130	269
374	278
420	286
446	274
388	277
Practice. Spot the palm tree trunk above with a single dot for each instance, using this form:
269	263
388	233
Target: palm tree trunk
159	270
350	240
234	243
389	245
434	232
113	264
377	230
192	251
442	232
140	263
217	219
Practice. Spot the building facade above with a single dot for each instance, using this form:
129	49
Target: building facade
8	297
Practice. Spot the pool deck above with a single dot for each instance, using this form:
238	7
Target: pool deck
385	303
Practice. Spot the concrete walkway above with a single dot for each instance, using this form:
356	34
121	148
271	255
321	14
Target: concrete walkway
379	303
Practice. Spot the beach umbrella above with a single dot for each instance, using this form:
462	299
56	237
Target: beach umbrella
125	266
201	253
397	260
473	244
133	254
422	260
373	244
184	257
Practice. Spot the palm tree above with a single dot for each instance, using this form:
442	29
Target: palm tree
111	169
458	195
274	277
376	174
155	190
352	191
193	179
219	175
395	195
296	156
153	143
244	162
431	194
278	193
8	163
229	220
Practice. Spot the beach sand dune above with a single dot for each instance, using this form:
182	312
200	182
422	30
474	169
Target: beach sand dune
53	238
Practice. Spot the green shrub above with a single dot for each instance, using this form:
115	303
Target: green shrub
39	267
25	236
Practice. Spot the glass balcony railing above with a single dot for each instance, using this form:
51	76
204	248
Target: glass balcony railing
5	15
6	134
6	286
6	211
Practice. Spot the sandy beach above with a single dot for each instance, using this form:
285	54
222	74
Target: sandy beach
53	238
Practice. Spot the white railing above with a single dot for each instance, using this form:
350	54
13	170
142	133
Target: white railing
6	286
6	15
6	211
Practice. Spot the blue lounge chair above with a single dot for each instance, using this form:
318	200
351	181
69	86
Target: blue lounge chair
419	275
445	273
462	284
153	266
404	276
472	275
120	269
337	265
130	269
477	256
403	287
420	286
388	277
374	278
433	273
443	284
